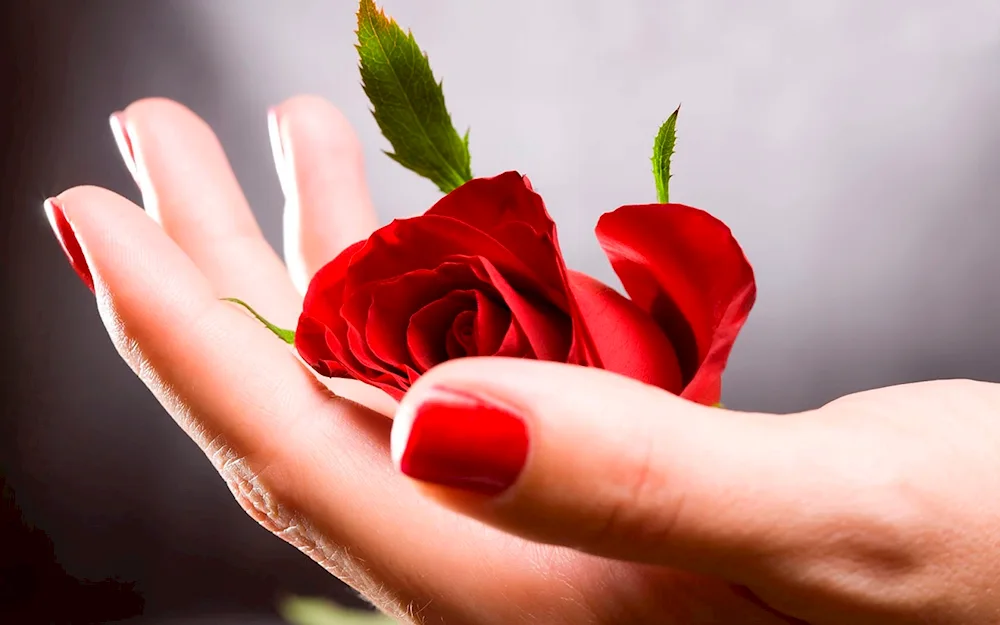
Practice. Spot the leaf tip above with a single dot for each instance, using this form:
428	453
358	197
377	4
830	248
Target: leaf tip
663	150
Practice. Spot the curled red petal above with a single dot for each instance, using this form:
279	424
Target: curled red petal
387	319
492	323
629	341
428	327
547	330
684	268
461	341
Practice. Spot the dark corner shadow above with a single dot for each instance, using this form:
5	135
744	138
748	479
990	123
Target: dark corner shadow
34	588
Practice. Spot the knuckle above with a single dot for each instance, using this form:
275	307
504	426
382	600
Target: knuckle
245	483
248	482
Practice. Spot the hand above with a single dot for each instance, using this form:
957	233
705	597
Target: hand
880	508
312	467
751	501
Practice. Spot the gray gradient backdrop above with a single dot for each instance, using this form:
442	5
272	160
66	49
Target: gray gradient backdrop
852	145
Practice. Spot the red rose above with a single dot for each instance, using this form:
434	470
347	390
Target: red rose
481	274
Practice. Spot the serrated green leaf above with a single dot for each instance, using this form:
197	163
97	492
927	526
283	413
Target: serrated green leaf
408	103
308	611
287	336
663	150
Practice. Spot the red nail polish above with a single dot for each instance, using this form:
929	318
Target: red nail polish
118	129
67	238
463	441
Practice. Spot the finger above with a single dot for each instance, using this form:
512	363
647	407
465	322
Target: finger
300	463
584	458
189	188
320	165
166	321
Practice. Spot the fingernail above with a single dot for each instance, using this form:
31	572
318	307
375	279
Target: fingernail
278	151
463	441
67	238
117	121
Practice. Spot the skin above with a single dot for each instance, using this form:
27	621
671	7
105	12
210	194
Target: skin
635	506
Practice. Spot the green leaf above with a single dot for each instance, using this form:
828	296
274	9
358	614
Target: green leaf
308	611
408	103
663	149
287	336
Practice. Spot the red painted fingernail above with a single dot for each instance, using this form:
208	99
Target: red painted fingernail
462	441
67	238
120	132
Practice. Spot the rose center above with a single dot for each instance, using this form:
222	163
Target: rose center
461	340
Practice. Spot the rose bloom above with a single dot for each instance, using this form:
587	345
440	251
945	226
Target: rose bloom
481	274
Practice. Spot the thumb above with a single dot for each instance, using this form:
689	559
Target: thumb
588	459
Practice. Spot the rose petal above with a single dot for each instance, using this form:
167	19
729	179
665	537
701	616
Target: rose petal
425	242
507	208
320	326
684	268
353	311
514	344
386	319
392	390
460	341
312	341
492	324
428	328
629	341
547	330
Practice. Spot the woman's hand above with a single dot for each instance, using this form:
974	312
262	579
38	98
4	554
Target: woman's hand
880	508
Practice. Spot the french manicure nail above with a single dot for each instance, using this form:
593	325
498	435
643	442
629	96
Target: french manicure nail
67	238
118	129
463	441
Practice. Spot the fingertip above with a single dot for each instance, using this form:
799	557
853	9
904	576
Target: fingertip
146	108
312	112
320	166
83	193
462	440
157	119
86	205
316	129
123	141
125	249
65	235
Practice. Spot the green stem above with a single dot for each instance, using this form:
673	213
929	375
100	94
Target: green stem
287	336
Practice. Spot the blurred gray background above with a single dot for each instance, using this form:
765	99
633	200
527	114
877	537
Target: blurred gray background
852	145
